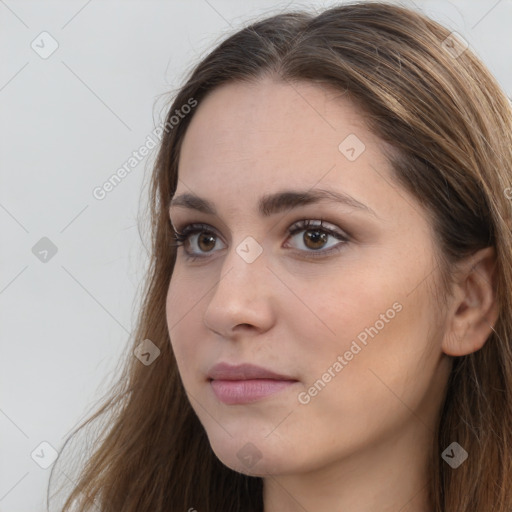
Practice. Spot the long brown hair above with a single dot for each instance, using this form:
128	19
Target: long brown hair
451	126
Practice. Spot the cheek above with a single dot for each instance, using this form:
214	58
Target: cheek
343	309
183	325
368	324
380	358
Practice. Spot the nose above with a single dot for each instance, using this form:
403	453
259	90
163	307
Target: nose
242	299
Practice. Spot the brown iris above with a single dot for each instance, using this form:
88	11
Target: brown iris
315	236
207	238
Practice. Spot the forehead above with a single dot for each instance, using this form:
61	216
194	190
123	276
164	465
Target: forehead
249	139
248	120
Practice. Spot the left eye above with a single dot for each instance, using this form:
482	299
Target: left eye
316	235
313	240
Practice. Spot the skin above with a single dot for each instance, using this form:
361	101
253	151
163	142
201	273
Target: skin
362	443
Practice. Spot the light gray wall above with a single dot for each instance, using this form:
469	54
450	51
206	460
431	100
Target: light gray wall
68	121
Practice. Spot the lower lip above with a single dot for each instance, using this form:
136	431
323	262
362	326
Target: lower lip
244	391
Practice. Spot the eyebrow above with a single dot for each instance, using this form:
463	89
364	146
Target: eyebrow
271	204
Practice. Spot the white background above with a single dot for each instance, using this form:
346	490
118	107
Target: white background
67	123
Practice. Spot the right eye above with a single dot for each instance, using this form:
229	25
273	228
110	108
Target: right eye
187	237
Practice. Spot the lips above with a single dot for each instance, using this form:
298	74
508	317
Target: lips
246	383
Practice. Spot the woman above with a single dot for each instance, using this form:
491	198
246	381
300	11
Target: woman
327	322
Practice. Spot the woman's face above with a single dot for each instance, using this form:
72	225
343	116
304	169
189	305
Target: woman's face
345	310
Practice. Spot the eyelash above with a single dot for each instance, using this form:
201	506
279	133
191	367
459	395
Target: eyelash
179	238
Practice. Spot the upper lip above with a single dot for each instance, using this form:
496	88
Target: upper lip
246	371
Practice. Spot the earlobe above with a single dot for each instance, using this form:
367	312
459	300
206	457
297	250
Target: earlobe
474	308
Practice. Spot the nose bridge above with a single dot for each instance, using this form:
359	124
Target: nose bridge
237	297
245	262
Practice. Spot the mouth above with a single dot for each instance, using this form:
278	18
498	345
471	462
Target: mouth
246	383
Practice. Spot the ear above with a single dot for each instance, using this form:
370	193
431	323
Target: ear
474	308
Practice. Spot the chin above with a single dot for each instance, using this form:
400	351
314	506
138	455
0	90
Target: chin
250	456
